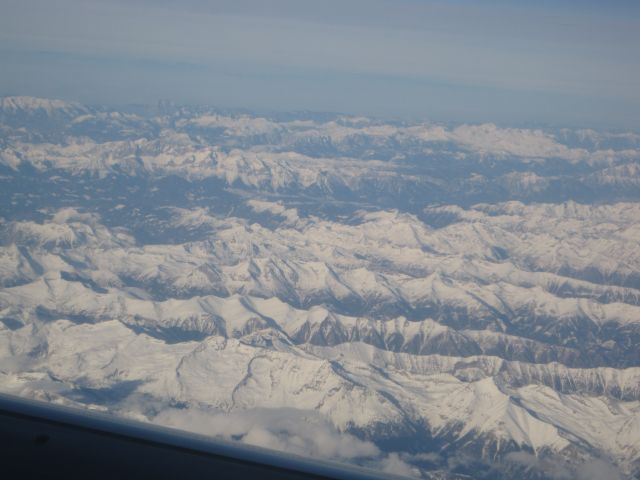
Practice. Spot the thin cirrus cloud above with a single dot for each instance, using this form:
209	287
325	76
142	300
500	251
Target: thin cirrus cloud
557	62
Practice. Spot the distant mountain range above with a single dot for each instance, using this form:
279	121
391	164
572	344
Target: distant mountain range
441	302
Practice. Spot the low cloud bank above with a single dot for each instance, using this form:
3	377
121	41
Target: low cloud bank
296	431
299	432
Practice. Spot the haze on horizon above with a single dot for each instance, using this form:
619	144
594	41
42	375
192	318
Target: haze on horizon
571	63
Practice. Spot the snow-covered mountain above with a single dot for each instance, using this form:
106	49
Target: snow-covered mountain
437	301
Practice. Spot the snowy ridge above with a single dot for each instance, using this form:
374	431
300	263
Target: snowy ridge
437	301
32	105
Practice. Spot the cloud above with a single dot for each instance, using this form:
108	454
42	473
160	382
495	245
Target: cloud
595	469
396	465
297	431
300	432
552	469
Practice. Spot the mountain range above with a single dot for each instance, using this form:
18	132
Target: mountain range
438	301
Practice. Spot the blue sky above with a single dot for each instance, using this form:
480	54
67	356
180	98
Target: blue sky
546	62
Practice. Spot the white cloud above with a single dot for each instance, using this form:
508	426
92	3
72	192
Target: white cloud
396	465
299	432
592	470
296	431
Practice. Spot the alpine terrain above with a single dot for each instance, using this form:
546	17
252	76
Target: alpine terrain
437	301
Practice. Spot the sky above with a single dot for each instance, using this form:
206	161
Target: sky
562	62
